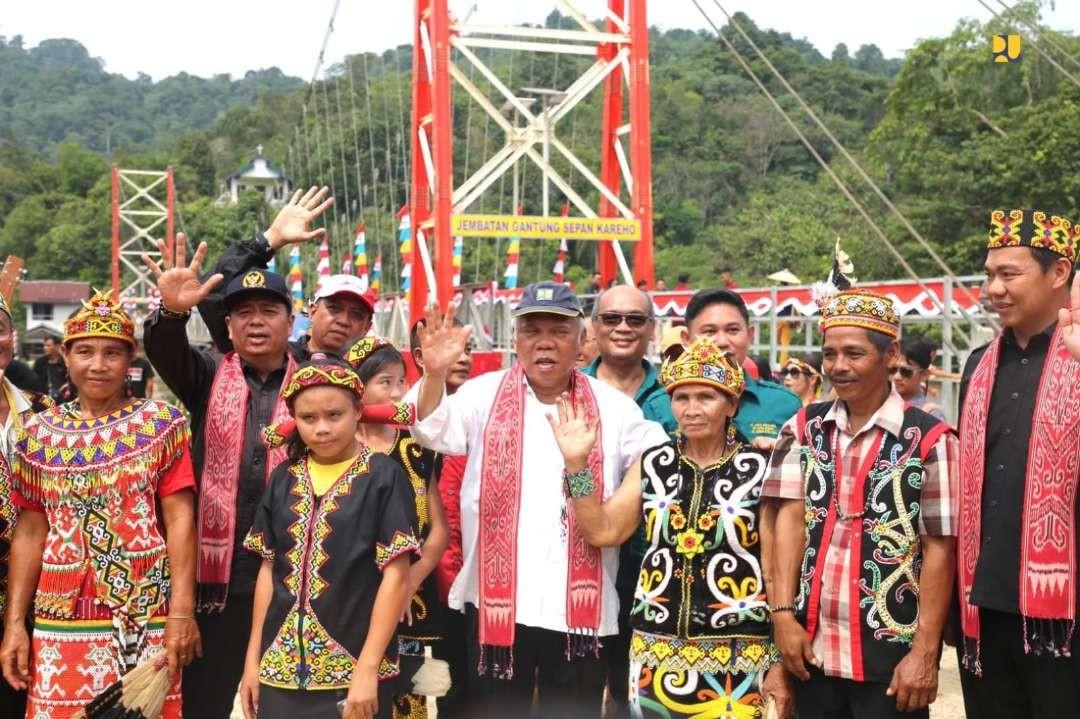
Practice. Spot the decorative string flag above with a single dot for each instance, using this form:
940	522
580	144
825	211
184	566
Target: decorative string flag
459	246
360	255
296	278
323	268
346	264
405	248
376	275
560	265
511	274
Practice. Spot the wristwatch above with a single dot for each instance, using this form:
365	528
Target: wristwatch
263	244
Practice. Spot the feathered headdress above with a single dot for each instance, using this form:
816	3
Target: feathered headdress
839	279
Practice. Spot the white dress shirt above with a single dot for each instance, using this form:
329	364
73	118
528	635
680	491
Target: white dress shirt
457	426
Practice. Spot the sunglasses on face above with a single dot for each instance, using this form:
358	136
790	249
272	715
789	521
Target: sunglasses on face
634	320
793	372
905	372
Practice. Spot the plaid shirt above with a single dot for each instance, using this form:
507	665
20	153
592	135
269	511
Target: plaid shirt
832	641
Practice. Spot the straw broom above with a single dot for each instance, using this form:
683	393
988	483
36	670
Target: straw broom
139	694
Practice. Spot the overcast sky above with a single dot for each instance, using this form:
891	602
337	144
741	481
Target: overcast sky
206	37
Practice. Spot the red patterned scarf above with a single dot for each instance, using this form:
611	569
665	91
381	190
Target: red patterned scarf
500	504
226	417
1048	573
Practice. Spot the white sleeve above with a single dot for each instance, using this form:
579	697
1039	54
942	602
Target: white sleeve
447	429
638	434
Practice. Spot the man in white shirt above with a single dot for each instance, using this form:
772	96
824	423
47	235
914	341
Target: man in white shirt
538	598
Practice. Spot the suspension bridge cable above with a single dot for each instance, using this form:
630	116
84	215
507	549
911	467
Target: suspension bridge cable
344	172
502	180
851	160
390	178
403	147
356	140
371	155
484	156
330	156
825	166
1031	41
1045	37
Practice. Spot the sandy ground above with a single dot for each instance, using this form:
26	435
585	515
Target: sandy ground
950	703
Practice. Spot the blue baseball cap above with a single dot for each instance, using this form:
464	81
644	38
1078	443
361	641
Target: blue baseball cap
549	298
254	283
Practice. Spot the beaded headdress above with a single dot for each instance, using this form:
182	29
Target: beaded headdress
1032	228
100	316
861	308
704	363
327	375
361	349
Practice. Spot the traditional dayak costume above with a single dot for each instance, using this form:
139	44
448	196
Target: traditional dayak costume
700	643
102	596
422	466
1019	468
870	493
327	550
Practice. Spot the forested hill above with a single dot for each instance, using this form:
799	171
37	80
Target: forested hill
946	132
56	91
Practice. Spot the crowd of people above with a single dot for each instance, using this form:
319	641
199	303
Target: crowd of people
581	534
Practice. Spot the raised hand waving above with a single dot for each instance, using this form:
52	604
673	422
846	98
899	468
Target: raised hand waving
178	284
291	224
441	343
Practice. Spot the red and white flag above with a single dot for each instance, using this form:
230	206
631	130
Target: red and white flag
323	268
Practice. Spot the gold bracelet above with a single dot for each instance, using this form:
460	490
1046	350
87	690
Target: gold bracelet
169	314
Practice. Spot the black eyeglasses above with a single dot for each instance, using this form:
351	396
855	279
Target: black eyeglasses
793	372
634	320
905	372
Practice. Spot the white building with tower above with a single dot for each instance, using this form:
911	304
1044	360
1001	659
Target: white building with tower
259	174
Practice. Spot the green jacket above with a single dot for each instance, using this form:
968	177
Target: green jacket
764	407
651	397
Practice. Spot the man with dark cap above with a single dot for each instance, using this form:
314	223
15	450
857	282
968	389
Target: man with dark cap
230	398
342	307
534	591
1019	470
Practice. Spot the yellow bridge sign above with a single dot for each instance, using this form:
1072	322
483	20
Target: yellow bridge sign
545	228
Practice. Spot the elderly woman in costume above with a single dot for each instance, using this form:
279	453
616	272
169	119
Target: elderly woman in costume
382	370
700	644
105	542
335	531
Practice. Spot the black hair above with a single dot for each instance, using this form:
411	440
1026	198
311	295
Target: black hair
763	367
379	360
1048	258
715	296
918	351
814	360
295	448
725	269
811	358
880	340
683	277
414	333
